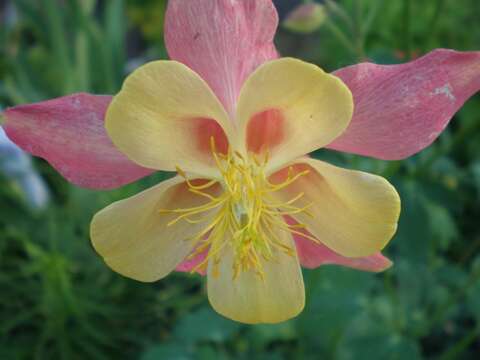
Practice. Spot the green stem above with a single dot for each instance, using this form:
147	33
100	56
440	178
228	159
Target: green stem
464	343
439	6
334	8
407	10
358	34
341	37
58	43
372	15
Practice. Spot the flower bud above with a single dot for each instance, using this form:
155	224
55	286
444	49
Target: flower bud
306	18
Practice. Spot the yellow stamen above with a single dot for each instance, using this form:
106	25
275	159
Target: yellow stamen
245	216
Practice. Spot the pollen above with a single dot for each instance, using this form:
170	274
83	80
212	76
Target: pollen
245	216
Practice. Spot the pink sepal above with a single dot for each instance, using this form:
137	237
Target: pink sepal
401	109
69	133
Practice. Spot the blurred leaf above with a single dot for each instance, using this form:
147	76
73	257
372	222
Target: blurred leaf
476	175
413	238
335	296
383	346
167	351
266	333
204	325
115	33
58	42
443	227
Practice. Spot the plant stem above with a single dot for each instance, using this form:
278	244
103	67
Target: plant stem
358	34
439	6
59	44
458	348
335	8
372	14
407	10
341	37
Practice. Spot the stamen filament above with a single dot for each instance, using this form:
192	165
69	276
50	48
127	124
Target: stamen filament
246	219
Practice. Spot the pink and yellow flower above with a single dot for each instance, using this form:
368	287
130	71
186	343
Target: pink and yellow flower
248	207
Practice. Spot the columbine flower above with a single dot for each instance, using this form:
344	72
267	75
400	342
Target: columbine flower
247	206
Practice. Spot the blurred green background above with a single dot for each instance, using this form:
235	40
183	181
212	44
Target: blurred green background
59	301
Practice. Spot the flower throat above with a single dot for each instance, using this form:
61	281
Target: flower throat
245	216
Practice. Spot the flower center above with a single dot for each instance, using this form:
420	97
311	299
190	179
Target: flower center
245	216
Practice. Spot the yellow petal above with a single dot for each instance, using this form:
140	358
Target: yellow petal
353	213
311	107
133	237
162	116
249	299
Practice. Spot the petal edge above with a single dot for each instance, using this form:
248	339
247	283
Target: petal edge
249	299
136	240
354	213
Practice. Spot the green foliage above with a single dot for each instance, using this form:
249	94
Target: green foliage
59	301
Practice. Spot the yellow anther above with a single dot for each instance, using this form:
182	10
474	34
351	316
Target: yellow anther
246	218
